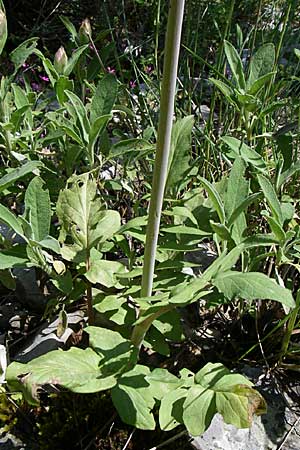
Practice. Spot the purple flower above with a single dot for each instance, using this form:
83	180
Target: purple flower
132	84
25	65
110	70
148	69
44	78
36	87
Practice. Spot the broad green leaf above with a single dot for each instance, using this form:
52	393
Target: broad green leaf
242	207
7	217
180	152
251	286
215	198
219	390
82	215
63	83
245	152
14	257
171	409
7	279
182	211
162	382
271	197
260	83
72	61
105	272
237	187
116	352
75	369
133	399
38	208
15	174
19	96
261	63
23	51
104	97
198	409
235	64
243	401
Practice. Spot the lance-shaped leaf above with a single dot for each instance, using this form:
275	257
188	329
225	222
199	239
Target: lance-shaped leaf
179	158
38	208
251	286
82	216
104	97
18	173
235	64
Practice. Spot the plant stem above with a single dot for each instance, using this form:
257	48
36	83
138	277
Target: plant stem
172	47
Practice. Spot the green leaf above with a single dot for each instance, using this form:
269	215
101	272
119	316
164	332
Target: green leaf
226	90
251	286
133	399
7	279
38	208
72	61
82	215
235	64
23	51
7	217
96	130
219	390
15	174
14	257
237	188
180	152
104	98
183	229
245	152
116	353
69	26
242	207
261	63
80	111
260	83
271	197
105	272
198	410
75	369
162	382
214	198
131	146
171	409
61	85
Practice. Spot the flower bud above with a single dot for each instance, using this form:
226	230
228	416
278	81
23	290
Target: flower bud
60	60
3	29
85	32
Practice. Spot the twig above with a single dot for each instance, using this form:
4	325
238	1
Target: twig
169	441
288	434
129	439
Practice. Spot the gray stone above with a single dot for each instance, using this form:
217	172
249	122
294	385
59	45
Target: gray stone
46	338
278	429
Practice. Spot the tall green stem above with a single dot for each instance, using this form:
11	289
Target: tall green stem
172	47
